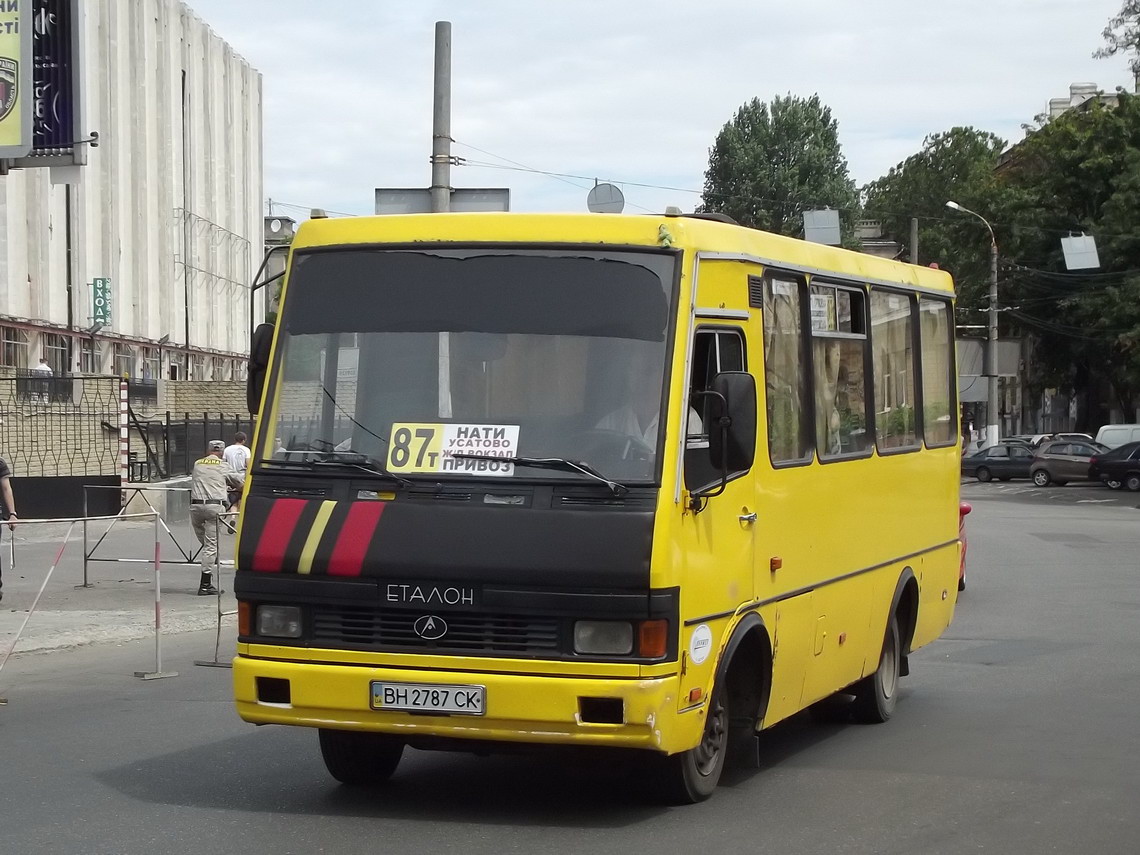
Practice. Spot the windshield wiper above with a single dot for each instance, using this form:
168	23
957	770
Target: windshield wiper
554	463
360	461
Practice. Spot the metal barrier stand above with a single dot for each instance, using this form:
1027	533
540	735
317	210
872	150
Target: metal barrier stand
152	515
189	556
230	516
157	673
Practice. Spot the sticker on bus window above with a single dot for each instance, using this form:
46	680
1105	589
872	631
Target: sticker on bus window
419	447
823	312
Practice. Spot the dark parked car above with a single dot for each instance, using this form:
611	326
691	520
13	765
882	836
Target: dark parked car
1062	461
1003	461
1119	467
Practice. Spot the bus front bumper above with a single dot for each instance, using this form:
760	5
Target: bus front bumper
520	708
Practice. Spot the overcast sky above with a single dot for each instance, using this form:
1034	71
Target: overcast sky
633	92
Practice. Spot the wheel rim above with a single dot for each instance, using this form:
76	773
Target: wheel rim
1113	484
707	754
889	667
983	474
1133	483
1040	479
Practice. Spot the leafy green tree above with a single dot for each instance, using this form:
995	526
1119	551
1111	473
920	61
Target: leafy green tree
957	165
773	161
1122	35
1080	173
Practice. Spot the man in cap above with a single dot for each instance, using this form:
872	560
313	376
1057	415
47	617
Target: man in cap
209	481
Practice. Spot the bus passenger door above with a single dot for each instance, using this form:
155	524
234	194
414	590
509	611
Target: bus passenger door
719	528
717	531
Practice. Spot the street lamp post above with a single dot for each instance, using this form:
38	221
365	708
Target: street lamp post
990	360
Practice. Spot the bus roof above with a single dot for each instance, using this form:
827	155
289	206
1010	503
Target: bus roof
708	237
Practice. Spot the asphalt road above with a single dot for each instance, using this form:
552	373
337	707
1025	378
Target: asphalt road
1016	733
1073	493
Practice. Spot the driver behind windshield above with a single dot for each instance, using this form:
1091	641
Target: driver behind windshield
638	415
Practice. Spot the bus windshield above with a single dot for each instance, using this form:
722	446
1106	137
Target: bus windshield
406	358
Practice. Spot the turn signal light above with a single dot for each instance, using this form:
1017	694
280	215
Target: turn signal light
652	640
244	611
695	695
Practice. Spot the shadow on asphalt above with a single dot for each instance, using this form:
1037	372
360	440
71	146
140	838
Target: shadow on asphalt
280	771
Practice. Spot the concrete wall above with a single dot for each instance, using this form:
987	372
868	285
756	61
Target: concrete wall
169	205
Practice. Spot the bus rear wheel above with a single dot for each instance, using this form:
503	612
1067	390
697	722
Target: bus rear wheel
877	694
360	759
691	776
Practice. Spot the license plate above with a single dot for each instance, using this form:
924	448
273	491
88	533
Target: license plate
428	698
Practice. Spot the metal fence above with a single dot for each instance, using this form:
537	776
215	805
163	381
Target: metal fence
166	446
59	426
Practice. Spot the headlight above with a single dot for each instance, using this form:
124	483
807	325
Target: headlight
279	621
608	637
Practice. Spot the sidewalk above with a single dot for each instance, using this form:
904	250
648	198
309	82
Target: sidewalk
119	606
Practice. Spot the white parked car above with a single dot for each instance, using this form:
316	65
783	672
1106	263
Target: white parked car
1115	436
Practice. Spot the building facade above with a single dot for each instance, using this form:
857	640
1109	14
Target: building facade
164	223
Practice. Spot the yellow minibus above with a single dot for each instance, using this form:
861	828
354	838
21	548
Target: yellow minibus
630	482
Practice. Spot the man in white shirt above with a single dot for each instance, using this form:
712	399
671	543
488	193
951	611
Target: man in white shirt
237	454
43	372
638	417
626	420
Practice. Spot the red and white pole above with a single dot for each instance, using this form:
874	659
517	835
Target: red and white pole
124	441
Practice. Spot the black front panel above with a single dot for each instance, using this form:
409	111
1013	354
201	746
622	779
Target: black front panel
499	621
560	538
371	628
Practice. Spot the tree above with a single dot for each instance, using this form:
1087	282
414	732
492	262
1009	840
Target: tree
1079	174
957	165
771	162
1122	35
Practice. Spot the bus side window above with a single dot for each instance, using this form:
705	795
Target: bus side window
940	418
788	408
714	350
893	359
839	357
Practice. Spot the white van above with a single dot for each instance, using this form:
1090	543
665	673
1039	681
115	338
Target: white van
1115	436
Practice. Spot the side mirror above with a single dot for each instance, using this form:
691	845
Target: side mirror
731	428
259	348
733	445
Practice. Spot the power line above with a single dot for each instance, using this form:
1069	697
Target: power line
869	214
309	208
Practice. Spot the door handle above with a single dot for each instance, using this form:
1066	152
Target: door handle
748	518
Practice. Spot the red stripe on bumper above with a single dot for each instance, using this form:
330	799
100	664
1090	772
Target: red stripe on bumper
355	535
279	525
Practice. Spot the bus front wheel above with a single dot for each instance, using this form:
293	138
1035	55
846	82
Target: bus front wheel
876	695
360	759
691	776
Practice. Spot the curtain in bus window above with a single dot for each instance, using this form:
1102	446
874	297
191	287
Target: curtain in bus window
789	437
938	414
840	400
892	349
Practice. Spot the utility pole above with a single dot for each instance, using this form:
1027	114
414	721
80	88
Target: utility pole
914	240
441	180
992	424
990	359
441	121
